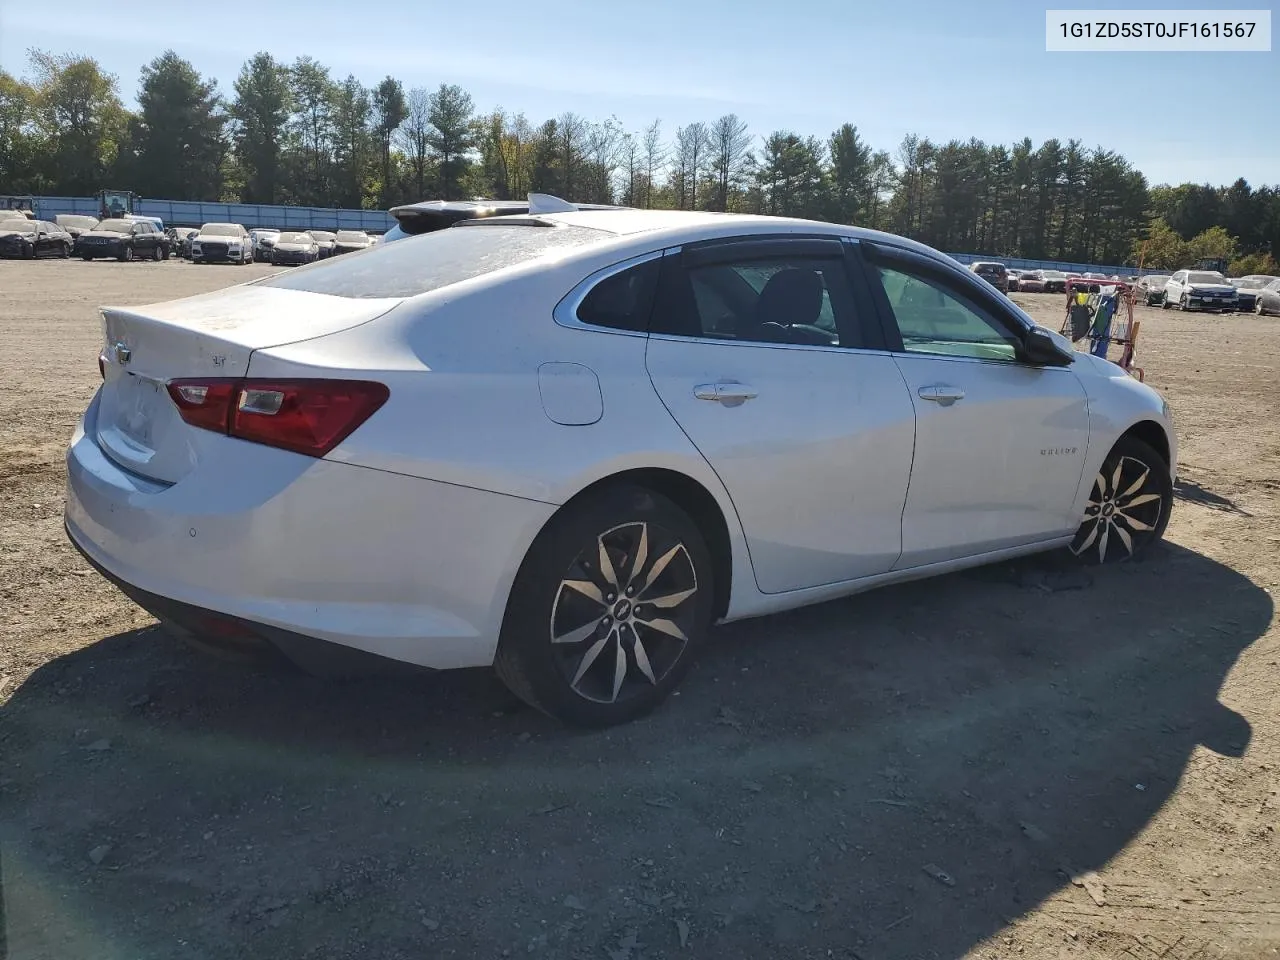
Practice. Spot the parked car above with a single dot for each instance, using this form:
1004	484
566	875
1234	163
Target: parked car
1267	299
1150	289
1014	281
326	241
581	525
263	243
1031	281
992	272
295	248
1055	281
1199	290
185	236
23	239
154	221
350	241
222	243
1247	290
123	239
75	224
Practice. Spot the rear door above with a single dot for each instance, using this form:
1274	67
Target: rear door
770	360
1000	444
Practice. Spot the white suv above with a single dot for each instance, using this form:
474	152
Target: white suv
1199	290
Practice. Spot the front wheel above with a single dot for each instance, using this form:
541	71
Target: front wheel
1128	507
1164	302
1257	307
609	605
156	254
65	251
126	253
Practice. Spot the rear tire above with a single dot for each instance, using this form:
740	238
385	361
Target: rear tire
608	609
156	254
1129	505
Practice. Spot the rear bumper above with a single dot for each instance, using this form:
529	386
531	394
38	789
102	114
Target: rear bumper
287	547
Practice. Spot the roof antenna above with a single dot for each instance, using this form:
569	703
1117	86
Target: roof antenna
546	203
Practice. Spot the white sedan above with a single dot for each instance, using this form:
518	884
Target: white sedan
566	444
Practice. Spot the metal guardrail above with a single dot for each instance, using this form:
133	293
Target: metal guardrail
192	213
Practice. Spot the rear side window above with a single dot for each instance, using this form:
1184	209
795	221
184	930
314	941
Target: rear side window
433	260
623	301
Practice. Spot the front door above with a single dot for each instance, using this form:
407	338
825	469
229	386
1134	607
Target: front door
758	350
1000	444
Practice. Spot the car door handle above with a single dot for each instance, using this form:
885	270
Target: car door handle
729	393
943	394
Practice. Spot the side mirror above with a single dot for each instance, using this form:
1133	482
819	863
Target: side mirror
1040	349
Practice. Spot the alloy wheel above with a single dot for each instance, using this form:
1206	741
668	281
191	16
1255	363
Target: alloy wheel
624	612
1124	510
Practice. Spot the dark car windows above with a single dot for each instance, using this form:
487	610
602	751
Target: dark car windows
800	300
624	300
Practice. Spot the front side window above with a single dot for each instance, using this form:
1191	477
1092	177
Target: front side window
933	320
797	300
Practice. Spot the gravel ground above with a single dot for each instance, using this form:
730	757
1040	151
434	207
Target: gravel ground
1025	760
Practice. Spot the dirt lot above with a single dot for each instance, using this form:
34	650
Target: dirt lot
1021	761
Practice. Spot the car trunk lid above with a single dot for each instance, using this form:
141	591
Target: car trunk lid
212	335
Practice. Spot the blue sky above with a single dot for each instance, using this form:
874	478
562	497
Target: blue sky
939	68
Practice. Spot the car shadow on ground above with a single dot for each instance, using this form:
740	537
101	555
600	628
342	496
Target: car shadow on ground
893	775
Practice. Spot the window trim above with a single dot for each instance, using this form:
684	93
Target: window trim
565	313
961	284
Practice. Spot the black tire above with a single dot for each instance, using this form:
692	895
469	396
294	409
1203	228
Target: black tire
164	254
1257	308
156	254
1118	528
572	679
126	254
1182	302
1164	302
65	251
86	258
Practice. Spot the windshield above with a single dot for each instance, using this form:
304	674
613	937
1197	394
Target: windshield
352	236
1156	279
1200	277
220	230
1250	283
79	222
18	226
294	238
1053	274
322	235
433	260
115	226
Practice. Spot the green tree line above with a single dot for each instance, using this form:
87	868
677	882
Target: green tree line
293	133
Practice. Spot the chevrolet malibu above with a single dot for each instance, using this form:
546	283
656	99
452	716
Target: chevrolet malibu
567	443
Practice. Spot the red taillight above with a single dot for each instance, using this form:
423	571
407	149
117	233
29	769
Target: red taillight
102	365
306	416
205	403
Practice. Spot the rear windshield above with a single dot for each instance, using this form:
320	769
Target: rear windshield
321	234
352	236
294	238
430	261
